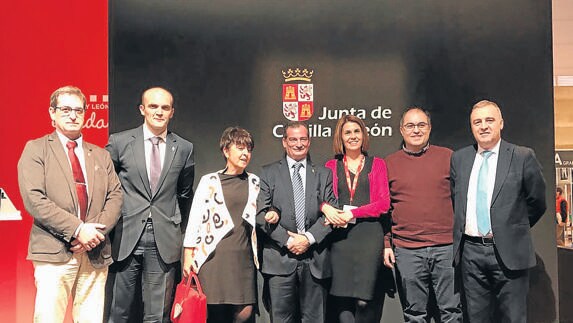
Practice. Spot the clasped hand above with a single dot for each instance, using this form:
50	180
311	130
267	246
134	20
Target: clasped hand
335	217
272	217
88	237
297	243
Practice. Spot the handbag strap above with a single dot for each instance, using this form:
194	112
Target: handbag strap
193	278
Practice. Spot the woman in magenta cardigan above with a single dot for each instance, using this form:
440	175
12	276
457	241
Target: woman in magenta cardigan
360	183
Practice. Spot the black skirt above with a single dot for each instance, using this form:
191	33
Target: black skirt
356	251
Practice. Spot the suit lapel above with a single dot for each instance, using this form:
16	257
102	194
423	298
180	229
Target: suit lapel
503	162
62	158
311	183
465	172
90	170
139	157
170	150
285	178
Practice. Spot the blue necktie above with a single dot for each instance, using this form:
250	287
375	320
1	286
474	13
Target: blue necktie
482	207
298	192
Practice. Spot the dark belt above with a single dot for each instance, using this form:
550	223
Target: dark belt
479	240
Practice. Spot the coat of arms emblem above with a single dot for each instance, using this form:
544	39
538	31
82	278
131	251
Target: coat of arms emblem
298	97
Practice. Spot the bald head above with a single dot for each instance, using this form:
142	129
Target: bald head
156	91
157	109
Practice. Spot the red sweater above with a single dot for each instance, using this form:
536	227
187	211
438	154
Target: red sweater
421	199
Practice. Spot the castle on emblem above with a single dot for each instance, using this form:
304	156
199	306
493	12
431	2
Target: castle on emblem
298	98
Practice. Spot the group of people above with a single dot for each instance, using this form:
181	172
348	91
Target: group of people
323	237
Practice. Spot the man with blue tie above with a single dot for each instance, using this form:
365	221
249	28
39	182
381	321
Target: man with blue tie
498	191
296	258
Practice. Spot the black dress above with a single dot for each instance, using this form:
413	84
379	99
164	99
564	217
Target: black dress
228	276
356	250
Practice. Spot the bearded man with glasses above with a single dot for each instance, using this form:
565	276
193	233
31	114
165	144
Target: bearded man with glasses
420	244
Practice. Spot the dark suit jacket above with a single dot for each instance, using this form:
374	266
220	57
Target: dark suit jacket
276	192
517	203
169	206
49	194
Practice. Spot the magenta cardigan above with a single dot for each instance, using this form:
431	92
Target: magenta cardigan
379	191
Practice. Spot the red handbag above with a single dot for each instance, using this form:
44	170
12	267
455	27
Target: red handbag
190	304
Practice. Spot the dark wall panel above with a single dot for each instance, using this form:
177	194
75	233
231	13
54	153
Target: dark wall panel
223	62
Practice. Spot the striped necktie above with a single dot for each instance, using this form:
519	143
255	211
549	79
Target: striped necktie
298	190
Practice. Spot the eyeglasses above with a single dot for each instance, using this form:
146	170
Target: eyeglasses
421	125
67	110
294	141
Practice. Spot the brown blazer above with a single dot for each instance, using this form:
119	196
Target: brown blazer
49	194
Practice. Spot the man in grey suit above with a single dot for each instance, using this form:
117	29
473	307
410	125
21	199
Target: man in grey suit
156	170
70	189
498	193
296	262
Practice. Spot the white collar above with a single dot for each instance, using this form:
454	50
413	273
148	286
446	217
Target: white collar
64	140
494	150
291	162
148	134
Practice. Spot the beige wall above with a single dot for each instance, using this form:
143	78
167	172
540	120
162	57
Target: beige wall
564	117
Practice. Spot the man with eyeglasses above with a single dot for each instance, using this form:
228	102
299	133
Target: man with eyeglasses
420	244
156	168
296	263
498	191
71	190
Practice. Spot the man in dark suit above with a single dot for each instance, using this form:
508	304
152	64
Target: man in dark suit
70	189
156	170
296	260
499	193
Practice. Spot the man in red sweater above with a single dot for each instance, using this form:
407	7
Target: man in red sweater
420	244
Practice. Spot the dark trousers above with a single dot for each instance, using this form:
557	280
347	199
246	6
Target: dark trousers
493	293
298	297
354	310
420	270
143	268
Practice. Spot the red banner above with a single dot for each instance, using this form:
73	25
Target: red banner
44	45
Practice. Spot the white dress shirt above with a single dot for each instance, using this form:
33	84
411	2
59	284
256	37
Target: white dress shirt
79	150
471	216
302	172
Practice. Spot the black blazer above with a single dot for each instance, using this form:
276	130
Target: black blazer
517	203
276	192
169	206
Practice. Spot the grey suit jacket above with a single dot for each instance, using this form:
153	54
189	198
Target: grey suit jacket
169	206
49	194
517	203
276	192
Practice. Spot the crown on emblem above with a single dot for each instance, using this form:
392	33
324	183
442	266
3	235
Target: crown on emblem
297	75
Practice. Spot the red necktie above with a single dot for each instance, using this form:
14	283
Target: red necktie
78	179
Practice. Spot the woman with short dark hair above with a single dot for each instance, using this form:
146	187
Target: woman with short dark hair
220	242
